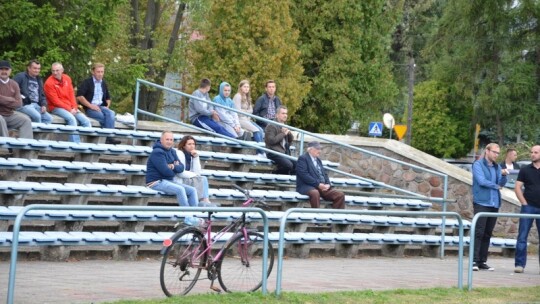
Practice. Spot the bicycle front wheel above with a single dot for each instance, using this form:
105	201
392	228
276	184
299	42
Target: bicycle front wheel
240	268
182	262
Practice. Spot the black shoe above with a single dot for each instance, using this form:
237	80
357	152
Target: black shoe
475	267
485	266
112	141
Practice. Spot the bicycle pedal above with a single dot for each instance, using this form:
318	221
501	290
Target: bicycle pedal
216	289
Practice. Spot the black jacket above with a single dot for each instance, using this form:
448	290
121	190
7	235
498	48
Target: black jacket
86	89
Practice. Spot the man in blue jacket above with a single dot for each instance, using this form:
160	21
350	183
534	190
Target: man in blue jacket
488	179
312	180
161	167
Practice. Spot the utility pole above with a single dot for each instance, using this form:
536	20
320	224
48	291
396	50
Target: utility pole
410	102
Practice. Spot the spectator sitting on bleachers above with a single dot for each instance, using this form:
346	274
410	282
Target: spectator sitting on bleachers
312	180
61	99
228	119
204	115
10	99
188	155
33	96
93	95
242	102
161	168
266	106
279	139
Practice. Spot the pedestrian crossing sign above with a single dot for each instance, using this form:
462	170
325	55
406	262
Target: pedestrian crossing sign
375	128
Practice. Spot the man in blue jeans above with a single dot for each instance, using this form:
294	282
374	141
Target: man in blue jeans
161	167
488	179
204	115
32	93
93	95
529	178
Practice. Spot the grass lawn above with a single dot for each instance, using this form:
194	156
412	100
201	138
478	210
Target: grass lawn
416	296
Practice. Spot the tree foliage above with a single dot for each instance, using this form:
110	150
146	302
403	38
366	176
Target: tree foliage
344	45
252	40
478	51
445	130
65	31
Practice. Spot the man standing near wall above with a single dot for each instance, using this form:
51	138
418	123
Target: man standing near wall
528	177
488	179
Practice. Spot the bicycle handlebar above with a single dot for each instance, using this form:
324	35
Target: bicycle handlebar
246	193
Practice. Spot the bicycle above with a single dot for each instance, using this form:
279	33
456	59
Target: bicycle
237	265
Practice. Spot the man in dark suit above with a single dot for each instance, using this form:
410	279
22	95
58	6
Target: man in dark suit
312	180
279	139
94	96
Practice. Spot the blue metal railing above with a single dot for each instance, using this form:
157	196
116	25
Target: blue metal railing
302	133
21	214
281	245
473	231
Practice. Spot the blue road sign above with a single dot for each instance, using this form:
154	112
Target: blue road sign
375	128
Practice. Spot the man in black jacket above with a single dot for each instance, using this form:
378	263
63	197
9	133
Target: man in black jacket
33	96
94	96
266	106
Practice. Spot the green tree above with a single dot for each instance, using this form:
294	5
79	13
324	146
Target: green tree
444	132
344	45
252	40
66	31
478	51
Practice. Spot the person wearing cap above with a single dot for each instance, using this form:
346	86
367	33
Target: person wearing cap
312	180
32	93
94	96
10	100
279	139
61	97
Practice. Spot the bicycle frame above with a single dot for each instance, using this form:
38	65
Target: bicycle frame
207	232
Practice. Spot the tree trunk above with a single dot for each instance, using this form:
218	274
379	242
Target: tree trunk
410	102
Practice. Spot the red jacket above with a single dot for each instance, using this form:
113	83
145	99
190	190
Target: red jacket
60	93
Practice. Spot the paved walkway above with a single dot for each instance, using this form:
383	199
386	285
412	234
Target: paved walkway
101	280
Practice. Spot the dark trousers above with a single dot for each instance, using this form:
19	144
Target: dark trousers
484	230
284	165
337	198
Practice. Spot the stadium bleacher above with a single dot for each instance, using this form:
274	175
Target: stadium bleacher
307	231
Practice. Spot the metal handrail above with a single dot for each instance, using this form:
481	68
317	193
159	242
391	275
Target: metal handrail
283	221
20	217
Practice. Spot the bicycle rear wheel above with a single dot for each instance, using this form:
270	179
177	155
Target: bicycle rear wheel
240	268
181	266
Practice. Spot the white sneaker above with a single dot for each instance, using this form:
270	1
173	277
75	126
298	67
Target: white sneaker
518	269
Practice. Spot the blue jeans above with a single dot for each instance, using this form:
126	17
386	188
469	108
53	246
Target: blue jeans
185	195
525	225
33	110
205	186
105	117
72	121
207	123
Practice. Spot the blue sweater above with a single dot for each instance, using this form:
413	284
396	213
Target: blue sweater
486	183
157	165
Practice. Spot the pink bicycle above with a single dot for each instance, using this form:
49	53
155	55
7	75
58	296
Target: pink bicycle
237	265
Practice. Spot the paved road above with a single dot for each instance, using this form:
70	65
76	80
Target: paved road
98	281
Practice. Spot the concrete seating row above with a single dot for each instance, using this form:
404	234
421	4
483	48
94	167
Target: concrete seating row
32	238
133	134
61	146
10	212
118	168
36	188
